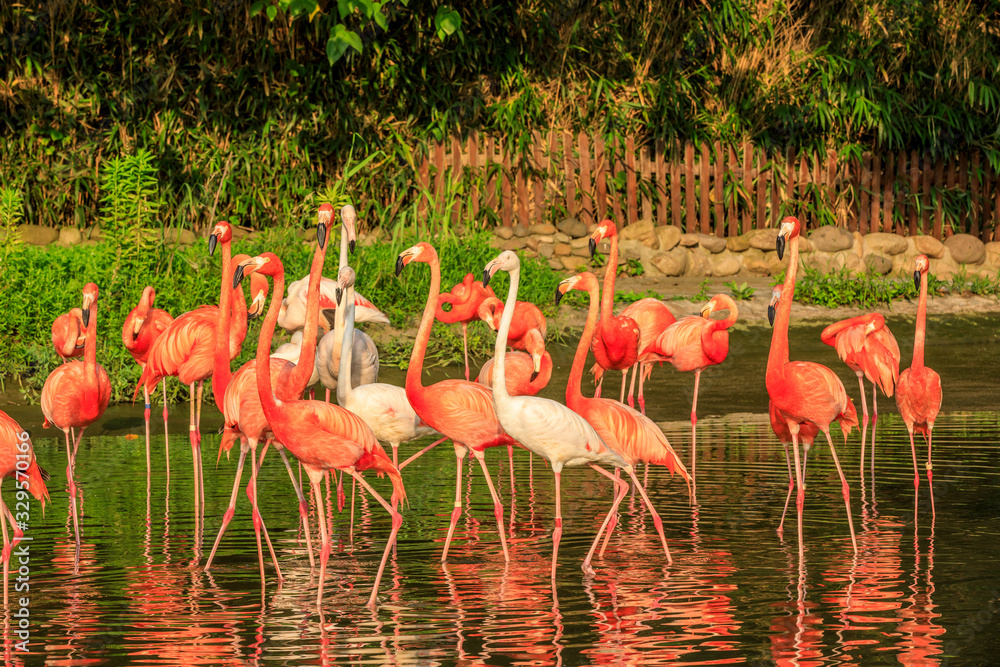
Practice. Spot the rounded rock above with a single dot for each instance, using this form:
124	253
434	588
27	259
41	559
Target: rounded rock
669	236
930	246
966	249
831	239
879	243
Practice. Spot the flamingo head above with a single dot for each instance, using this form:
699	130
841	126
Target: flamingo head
581	281
718	302
258	296
89	300
505	261
349	218
323	224
142	310
221	233
775	295
921	266
422	252
788	230
605	230
875	322
345	279
489	311
267	264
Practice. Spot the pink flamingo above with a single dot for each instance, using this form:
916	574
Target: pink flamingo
143	325
653	317
244	412
527	331
465	298
807	431
693	344
186	348
869	349
457	409
803	391
75	395
68	334
918	393
322	436
17	459
522	378
545	427
633	435
616	343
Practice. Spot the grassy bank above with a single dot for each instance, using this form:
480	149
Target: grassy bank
41	283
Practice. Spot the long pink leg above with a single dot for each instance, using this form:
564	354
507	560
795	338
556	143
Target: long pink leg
913	452
324	551
353	489
327	395
657	521
147	409
930	468
694	434
465	347
510	461
621	399
844	488
643	372
421	453
557	531
800	489
258	521
397	521
631	386
197	435
395	455
497	507
7	549
597	391
614	517
457	510
72	501
791	485
303	507
341	497
874	421
609	519
231	510
864	420
192	430
166	434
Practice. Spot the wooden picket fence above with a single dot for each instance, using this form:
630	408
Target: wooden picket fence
713	189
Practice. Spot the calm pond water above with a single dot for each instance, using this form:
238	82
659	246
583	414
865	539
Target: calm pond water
918	592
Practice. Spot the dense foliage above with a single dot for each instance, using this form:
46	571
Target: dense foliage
43	282
248	106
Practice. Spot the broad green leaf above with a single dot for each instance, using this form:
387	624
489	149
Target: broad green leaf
381	20
447	22
272	12
296	7
256	8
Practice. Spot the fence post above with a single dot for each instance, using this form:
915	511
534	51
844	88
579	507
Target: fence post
569	170
661	182
585	181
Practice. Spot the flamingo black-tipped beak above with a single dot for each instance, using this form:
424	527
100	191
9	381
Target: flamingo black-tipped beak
352	244
399	265
559	295
340	295
916	280
770	314
533	376
593	246
212	241
486	278
779	245
86	316
238	276
321	234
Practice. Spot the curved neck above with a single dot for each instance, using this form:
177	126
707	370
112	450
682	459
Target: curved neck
573	391
918	339
307	352
343	246
271	405
778	356
500	394
424	332
610	273
344	388
222	371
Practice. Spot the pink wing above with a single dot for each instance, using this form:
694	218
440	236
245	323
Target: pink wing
680	344
880	360
462	411
184	349
652	316
811	392
632	434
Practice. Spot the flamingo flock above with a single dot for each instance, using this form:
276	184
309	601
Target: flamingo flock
267	402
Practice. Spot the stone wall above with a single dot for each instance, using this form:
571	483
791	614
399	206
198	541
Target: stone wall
667	251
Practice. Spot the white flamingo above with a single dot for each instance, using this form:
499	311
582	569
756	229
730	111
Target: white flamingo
364	357
384	407
543	426
292	315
